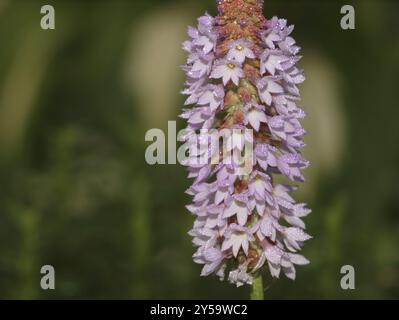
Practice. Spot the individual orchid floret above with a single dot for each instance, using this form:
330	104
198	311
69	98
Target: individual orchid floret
227	70
207	44
240	277
212	259
237	209
201	66
268	87
213	96
240	50
272	60
237	237
256	115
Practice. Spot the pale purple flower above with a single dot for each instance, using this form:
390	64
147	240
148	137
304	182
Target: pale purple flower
239	277
272	60
255	115
207	44
201	66
237	237
290	164
260	187
265	155
268	86
211	258
271	39
238	209
239	50
213	96
227	70
287	128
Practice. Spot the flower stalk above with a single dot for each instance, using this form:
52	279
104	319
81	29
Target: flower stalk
257	291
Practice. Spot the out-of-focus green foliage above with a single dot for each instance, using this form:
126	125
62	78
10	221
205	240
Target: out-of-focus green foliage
77	194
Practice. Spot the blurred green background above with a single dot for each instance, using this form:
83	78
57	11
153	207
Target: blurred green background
75	190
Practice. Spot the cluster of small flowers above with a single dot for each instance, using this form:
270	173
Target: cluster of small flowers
238	226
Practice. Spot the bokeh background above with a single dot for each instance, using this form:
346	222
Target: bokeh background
75	190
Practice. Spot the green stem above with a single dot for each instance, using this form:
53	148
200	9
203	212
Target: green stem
257	289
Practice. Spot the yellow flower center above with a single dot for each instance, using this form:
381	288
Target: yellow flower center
239	47
231	65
